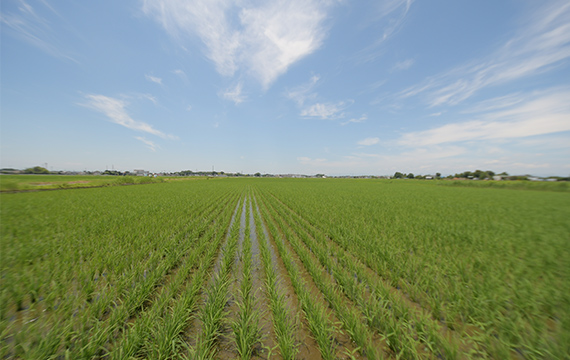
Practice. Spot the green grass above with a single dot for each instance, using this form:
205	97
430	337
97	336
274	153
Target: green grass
434	270
488	260
12	183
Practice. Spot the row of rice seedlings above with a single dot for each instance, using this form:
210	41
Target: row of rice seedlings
213	312
78	319
85	332
348	315
49	281
283	318
92	343
384	312
165	334
316	315
165	341
426	255
246	330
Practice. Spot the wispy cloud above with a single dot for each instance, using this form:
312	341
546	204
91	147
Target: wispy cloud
28	24
361	119
115	110
403	65
149	97
260	38
180	73
538	114
234	94
540	44
149	144
304	92
390	16
325	111
369	141
153	79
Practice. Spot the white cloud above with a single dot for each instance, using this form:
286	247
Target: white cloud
390	15
154	79
150	98
261	38
115	110
325	110
189	108
151	145
538	46
234	94
369	141
180	73
361	119
538	114
302	93
29	25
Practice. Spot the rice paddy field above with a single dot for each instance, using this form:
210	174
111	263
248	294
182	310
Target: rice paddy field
285	269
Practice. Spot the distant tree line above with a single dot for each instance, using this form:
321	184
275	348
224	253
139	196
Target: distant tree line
477	174
399	175
36	170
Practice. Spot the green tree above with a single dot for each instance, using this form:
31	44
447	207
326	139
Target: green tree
36	170
437	175
410	176
398	175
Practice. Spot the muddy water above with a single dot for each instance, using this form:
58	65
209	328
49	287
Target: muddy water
308	347
226	345
191	335
265	323
341	339
218	262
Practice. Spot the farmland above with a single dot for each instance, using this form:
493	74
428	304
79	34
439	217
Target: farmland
285	269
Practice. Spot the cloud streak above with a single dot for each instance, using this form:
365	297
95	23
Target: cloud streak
36	30
234	94
540	114
361	119
384	16
115	110
262	39
304	92
149	144
369	141
154	79
538	46
325	111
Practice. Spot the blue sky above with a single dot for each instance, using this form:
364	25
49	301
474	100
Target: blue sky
297	86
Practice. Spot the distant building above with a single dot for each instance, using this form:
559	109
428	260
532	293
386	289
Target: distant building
140	172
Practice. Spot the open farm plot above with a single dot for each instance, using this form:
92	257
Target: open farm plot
285	269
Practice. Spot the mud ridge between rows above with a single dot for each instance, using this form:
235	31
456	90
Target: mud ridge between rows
344	343
191	334
308	348
465	343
